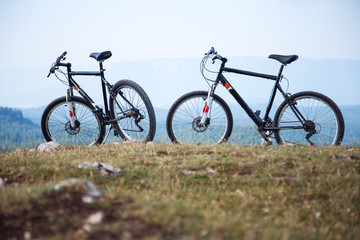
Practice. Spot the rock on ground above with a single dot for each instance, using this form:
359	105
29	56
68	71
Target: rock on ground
48	146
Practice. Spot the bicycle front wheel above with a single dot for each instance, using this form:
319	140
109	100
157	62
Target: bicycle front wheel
56	125
182	123
322	122
133	112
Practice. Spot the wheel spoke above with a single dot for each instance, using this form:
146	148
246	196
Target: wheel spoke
323	121
139	113
58	126
185	116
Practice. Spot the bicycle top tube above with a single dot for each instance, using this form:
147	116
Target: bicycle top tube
254	74
283	59
85	73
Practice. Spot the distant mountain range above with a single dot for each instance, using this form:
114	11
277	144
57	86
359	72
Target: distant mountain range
164	80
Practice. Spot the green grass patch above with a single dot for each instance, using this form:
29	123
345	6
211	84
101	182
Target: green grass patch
184	192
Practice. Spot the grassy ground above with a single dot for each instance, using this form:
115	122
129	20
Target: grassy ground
184	192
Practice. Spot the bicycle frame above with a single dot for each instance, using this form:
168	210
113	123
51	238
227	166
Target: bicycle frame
260	123
104	83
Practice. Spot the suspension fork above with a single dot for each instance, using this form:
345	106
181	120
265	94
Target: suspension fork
71	107
205	120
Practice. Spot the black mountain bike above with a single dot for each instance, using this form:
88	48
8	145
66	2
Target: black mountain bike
202	117
73	120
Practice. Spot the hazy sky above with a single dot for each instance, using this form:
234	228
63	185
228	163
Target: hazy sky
34	32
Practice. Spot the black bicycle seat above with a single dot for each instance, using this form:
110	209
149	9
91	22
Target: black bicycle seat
284	59
101	56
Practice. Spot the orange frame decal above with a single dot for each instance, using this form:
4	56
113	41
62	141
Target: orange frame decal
227	86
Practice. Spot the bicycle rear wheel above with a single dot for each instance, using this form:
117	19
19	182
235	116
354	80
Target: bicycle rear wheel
56	126
323	125
182	123
134	112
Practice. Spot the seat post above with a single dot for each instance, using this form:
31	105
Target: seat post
280	72
103	87
101	66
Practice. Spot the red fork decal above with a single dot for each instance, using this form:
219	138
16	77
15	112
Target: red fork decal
72	113
206	108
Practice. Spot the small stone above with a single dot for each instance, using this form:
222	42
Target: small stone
48	146
23	170
104	173
95	218
27	235
203	233
88	199
89	187
343	155
241	193
87	227
92	190
69	182
107	167
126	234
87	165
2	183
210	170
111	170
189	172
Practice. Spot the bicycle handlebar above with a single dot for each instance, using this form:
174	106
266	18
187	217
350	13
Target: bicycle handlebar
216	55
56	64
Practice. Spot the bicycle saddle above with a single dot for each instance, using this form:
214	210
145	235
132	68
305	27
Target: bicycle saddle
284	59
100	57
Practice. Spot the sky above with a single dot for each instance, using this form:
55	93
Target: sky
34	32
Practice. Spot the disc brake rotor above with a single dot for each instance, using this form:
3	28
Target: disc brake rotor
70	130
196	125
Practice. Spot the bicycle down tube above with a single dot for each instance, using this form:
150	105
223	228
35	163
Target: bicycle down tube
256	119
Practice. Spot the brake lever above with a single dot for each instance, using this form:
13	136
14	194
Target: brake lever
52	69
214	58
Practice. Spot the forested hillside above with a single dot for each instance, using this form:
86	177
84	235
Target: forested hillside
17	131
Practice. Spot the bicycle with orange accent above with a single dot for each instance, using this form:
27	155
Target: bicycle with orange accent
202	117
74	120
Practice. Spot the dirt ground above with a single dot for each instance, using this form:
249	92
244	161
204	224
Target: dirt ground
64	214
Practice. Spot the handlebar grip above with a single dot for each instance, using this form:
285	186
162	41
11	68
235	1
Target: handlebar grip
212	50
63	55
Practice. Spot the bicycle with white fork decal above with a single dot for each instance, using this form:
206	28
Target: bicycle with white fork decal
74	120
202	117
